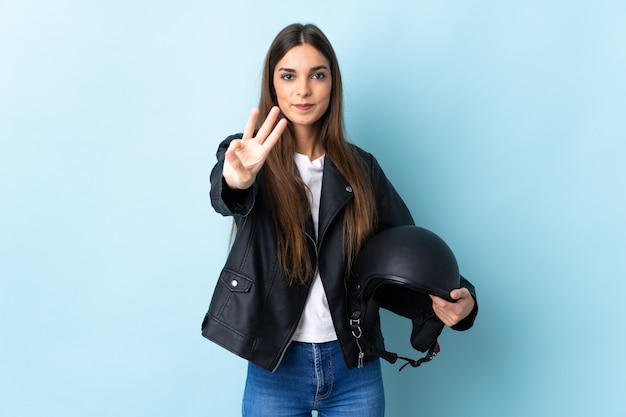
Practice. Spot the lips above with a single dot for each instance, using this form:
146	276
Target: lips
303	107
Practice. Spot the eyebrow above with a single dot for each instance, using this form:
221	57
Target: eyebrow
317	68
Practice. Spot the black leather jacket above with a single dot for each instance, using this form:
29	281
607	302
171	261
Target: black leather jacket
254	311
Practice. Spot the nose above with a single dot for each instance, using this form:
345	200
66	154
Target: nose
303	88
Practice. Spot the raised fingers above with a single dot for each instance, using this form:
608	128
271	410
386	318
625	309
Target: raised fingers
268	125
275	135
249	130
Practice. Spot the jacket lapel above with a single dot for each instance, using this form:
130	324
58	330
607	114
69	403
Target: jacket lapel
336	193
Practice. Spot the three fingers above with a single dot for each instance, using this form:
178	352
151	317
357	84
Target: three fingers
264	140
268	130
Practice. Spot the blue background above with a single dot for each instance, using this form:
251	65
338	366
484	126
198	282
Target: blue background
502	124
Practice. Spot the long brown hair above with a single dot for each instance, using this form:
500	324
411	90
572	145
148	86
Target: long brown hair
283	181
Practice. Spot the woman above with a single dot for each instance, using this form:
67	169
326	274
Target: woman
304	201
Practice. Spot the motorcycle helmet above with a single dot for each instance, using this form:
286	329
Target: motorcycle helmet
397	270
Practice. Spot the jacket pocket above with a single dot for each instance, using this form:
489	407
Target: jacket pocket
232	303
234	281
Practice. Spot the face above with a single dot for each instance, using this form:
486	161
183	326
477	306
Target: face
302	81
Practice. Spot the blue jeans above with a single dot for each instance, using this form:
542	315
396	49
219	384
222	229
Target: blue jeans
314	377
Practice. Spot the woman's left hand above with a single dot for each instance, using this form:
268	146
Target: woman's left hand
452	313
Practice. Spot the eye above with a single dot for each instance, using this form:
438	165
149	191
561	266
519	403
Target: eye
318	76
287	77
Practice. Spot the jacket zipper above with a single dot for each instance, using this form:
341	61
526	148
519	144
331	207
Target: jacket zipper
282	354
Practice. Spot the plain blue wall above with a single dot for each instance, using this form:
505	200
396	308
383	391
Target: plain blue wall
502	124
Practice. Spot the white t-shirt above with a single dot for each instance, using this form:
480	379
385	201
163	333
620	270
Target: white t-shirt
316	324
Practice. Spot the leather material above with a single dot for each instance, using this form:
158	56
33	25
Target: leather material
254	311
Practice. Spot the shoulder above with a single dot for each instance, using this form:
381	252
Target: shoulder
368	158
360	151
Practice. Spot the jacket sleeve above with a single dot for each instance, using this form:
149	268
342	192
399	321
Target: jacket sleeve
225	200
468	321
392	211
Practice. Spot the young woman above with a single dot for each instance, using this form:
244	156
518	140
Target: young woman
304	201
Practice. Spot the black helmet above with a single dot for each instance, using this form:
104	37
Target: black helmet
397	270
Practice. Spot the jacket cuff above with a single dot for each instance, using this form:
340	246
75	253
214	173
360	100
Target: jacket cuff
237	201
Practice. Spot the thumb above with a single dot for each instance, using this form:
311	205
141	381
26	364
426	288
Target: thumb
459	293
233	160
231	155
234	172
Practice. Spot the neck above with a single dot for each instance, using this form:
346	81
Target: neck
307	141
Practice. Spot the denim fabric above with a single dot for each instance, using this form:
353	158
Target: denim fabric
310	377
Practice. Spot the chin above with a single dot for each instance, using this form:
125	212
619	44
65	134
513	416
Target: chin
305	121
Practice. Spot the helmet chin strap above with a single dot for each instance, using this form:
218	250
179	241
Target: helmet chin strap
426	330
366	348
393	357
432	352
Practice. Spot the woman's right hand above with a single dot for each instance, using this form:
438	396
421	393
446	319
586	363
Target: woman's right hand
245	157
